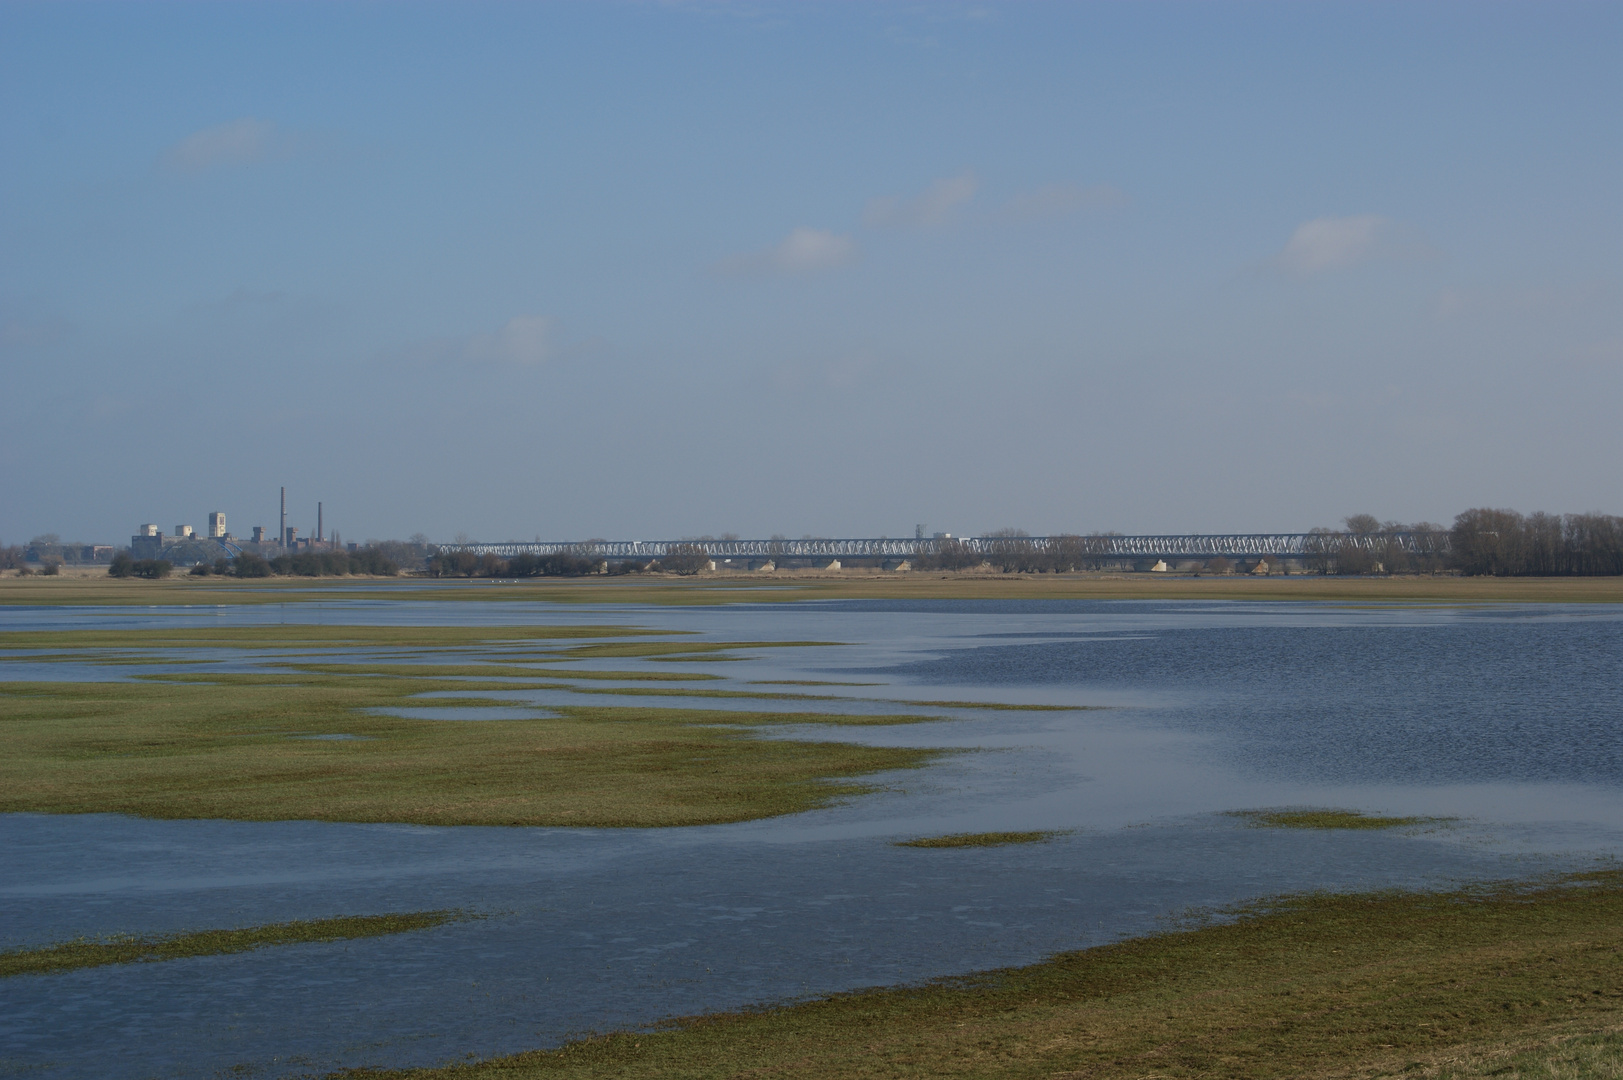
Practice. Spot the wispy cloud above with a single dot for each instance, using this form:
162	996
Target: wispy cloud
1329	243
1060	200
804	250
525	340
237	142
935	206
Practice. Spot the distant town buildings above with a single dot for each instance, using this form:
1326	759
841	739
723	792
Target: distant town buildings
187	548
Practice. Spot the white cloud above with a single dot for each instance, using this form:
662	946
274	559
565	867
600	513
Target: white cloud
524	340
933	207
804	250
237	142
1331	242
1058	200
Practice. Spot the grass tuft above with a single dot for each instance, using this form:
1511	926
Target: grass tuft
1330	819
981	839
129	949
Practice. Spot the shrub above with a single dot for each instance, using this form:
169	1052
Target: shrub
948	555
250	565
372	560
453	564
686	559
121	566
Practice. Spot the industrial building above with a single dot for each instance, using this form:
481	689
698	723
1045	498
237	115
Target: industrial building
186	548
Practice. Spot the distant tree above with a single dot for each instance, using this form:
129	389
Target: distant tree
1487	541
122	565
559	564
404	554
1067	553
372	560
1219	565
11	558
1594	544
453	564
1543	545
250	565
152	568
1012	551
45	548
685	558
1323	549
948	555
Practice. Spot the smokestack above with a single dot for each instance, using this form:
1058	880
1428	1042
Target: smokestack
281	537
320	536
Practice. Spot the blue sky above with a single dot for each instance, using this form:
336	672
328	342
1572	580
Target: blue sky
648	270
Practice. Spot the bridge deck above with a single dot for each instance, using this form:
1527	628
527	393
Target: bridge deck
1164	546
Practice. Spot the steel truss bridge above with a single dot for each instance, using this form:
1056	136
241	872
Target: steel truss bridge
1164	546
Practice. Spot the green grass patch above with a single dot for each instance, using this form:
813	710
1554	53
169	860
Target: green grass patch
1004	707
979	839
225	745
497	671
1458	984
326	636
1329	819
808	682
679	650
129	949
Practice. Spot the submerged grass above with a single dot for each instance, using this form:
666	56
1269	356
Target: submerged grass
1504	981
808	682
1005	707
86	953
1329	819
979	839
307	635
517	670
224	745
680	650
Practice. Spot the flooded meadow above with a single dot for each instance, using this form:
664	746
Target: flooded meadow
1131	741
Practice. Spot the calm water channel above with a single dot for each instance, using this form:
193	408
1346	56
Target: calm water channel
1508	718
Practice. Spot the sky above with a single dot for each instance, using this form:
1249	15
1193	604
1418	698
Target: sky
646	271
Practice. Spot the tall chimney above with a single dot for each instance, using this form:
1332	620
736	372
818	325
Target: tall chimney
320	536
281	537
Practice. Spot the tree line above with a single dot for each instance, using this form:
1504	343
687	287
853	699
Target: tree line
685	558
1481	541
1506	543
368	560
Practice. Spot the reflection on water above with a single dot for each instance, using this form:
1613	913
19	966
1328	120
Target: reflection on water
1507	718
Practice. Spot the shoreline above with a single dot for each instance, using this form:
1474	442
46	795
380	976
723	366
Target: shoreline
789	585
1480	981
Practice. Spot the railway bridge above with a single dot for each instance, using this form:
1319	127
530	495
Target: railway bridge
1170	546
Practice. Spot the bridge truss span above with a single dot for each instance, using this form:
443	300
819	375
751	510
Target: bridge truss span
1152	546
